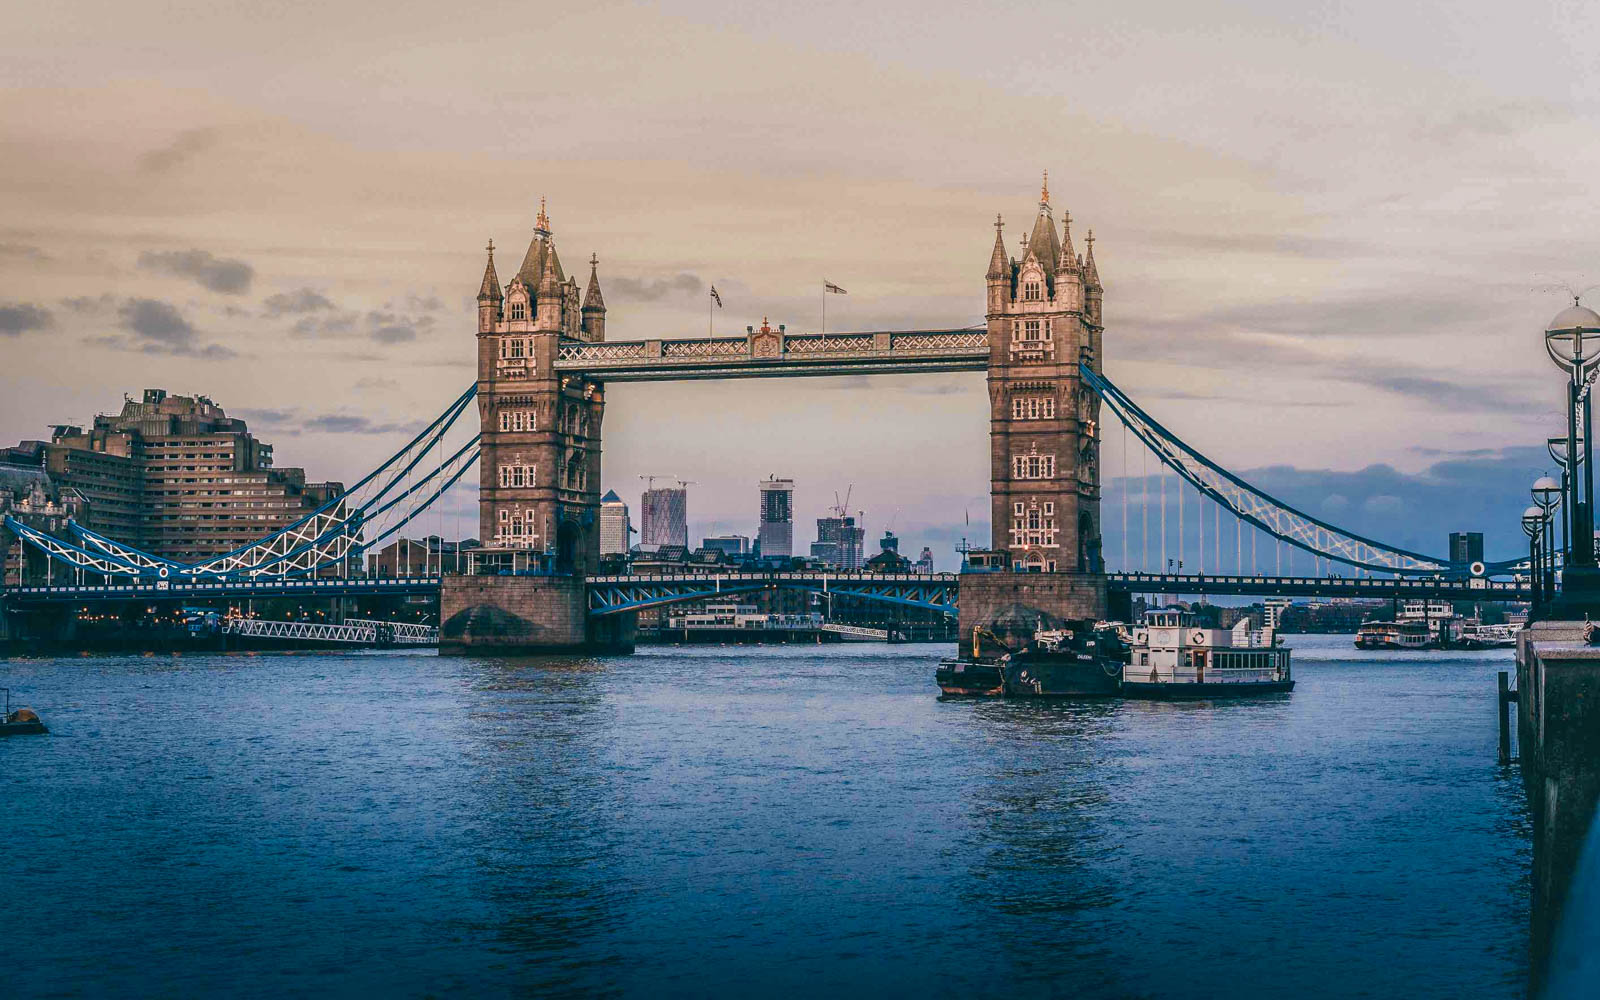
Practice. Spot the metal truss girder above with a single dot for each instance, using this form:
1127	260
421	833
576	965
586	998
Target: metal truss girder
1454	588
757	368
79	558
611	601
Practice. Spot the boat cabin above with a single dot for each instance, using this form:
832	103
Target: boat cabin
1170	646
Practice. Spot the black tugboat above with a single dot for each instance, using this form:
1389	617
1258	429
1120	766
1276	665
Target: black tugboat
1078	661
22	722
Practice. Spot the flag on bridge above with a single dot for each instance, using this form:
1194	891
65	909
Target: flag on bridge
716	297
828	286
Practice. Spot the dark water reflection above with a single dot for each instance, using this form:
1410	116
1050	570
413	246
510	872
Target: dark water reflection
792	821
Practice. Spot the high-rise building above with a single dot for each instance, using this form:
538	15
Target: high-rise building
1466	547
777	516
1044	320
839	542
733	545
615	528
925	563
664	517
178	477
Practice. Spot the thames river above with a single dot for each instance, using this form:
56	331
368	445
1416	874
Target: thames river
758	821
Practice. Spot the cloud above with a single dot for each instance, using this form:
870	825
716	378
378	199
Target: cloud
343	423
188	144
641	290
302	300
84	304
396	328
21	317
158	327
219	274
23	251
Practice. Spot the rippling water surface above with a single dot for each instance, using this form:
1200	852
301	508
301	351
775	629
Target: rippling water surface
780	821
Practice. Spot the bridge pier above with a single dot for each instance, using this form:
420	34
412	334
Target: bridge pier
514	615
1012	605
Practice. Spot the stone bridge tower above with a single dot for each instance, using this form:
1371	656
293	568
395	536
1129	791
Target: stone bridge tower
1044	318
539	475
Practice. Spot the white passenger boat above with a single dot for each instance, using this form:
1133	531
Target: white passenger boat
1173	656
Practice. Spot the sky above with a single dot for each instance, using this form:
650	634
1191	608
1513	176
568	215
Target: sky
1330	233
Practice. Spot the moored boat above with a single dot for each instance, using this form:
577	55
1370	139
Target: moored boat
22	722
1173	656
1077	661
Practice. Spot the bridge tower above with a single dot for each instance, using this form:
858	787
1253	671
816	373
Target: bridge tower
1044	317
539	467
539	475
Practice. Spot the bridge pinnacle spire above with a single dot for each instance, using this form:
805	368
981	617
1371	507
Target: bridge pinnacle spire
592	300
1069	254
997	260
1091	274
1044	189
489	291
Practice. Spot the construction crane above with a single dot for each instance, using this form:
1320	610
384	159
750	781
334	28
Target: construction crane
841	508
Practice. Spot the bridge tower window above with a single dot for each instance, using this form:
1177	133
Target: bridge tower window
519	309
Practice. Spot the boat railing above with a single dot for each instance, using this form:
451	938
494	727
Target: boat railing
1142	674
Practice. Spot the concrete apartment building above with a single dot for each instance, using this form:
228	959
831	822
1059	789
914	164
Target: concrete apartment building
178	477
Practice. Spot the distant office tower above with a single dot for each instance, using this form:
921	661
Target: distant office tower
1466	547
777	517
614	525
665	516
838	542
733	545
925	564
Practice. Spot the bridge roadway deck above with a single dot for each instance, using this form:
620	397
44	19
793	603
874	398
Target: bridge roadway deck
168	589
771	354
1446	588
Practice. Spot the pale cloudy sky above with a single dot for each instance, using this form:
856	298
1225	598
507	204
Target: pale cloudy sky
1321	225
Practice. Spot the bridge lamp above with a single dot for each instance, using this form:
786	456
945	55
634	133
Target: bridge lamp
1532	526
1573	339
1546	493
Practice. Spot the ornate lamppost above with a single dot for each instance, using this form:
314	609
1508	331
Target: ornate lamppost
1572	339
1533	527
1547	494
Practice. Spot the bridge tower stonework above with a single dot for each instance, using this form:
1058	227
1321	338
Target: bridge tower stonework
1044	318
539	465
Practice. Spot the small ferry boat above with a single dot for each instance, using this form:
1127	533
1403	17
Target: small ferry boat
1394	635
1478	636
1173	656
1420	625
1079	660
22	722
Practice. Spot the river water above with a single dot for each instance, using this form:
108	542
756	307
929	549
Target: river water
781	821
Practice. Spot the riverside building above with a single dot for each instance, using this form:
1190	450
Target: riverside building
177	477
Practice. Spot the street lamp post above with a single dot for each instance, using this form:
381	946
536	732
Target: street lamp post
1532	526
1547	495
1572	339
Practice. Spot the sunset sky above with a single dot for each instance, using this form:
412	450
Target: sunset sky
1329	232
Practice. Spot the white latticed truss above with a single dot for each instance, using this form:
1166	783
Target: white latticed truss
322	542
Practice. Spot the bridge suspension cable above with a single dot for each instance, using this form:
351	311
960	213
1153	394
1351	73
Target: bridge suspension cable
1248	503
374	509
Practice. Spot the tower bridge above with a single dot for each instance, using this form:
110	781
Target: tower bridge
544	366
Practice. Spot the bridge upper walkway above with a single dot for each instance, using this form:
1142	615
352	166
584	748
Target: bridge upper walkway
773	353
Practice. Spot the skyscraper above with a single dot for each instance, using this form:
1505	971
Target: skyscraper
614	525
777	516
664	517
838	542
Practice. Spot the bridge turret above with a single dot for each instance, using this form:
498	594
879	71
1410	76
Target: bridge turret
1093	291
1069	279
999	271
489	295
594	305
549	298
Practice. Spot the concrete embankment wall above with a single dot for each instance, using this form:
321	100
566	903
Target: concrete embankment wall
1558	729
